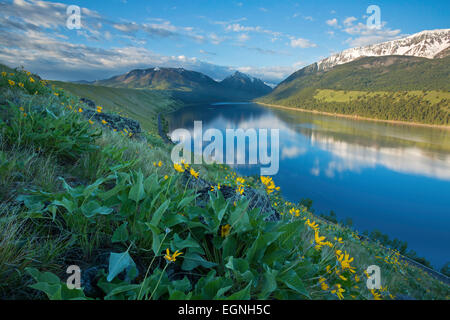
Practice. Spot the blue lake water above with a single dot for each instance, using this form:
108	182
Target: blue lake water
393	178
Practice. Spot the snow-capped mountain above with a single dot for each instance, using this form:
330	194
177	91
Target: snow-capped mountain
426	44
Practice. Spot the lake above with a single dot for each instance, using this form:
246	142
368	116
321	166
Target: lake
387	177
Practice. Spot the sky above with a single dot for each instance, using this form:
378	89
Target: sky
265	39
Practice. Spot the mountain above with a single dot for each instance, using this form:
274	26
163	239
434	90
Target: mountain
404	80
425	44
189	85
242	82
400	88
160	79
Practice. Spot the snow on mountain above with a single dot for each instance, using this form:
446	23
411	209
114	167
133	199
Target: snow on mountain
426	44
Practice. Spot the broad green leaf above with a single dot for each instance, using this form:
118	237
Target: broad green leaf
119	262
92	208
157	215
156	243
269	283
244	294
121	234
193	260
137	192
180	244
293	281
186	201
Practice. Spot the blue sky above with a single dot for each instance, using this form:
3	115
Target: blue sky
267	39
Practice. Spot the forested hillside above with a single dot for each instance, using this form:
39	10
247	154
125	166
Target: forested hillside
388	88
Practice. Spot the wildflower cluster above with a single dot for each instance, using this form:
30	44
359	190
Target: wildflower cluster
269	184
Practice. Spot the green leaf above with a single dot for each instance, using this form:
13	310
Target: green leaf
66	204
240	268
157	215
119	262
193	260
269	283
137	192
180	244
156	243
239	218
257	250
183	203
293	281
92	208
121	234
179	295
124	289
244	294
151	184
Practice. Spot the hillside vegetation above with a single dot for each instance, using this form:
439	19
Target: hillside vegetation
74	192
142	105
387	88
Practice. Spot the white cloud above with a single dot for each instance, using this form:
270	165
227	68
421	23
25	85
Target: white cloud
349	21
332	22
302	43
243	37
363	35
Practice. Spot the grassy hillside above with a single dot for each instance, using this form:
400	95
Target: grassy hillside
73	192
142	105
387	88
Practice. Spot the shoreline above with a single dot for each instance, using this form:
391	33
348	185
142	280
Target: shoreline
356	117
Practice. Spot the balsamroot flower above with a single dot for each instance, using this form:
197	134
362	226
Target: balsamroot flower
194	173
225	231
178	168
173	257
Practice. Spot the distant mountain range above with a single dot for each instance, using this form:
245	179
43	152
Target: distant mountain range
405	79
190	85
425	44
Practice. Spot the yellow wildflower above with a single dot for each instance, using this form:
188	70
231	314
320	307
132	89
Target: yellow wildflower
338	291
376	295
323	284
173	257
32	80
91	122
80	110
345	260
166	177
11	83
312	225
194	173
178	167
225	231
4	74
185	164
339	240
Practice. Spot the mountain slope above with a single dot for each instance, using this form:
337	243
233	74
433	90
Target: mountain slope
425	44
190	85
389	88
142	105
160	79
242	82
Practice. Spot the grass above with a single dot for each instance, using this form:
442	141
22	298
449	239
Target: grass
117	204
344	96
141	105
